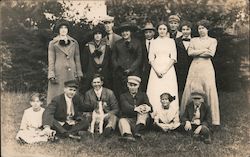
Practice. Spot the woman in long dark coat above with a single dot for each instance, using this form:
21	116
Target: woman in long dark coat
63	60
97	59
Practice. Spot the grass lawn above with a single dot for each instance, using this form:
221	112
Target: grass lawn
231	140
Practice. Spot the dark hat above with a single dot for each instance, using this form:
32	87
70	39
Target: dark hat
60	23
174	18
186	23
71	83
127	26
204	23
149	26
99	29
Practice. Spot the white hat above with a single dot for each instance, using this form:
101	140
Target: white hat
134	79
108	18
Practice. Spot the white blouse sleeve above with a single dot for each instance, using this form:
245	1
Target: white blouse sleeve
212	46
24	122
173	53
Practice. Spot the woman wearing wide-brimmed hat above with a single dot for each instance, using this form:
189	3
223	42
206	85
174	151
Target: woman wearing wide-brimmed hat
126	57
63	60
97	59
201	71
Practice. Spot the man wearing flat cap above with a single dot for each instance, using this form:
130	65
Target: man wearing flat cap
174	23
111	37
135	108
63	113
197	116
126	58
149	34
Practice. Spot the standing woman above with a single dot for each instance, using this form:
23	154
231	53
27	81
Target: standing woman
63	60
201	72
97	59
162	78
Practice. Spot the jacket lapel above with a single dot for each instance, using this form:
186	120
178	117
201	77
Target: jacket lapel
63	105
66	50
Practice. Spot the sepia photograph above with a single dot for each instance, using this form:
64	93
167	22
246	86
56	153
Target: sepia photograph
125	78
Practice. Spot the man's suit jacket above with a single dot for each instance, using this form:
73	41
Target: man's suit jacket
127	57
145	66
107	96
205	114
128	103
115	37
57	109
183	63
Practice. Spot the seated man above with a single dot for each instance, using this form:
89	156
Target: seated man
135	108
109	101
197	116
63	115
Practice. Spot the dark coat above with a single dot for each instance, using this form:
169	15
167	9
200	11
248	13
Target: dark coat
91	67
145	67
128	103
57	109
107	96
63	64
115	37
205	114
183	63
125	57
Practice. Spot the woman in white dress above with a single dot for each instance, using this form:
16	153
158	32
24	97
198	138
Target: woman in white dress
162	78
201	72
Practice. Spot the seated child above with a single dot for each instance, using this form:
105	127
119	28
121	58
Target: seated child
168	117
197	116
31	124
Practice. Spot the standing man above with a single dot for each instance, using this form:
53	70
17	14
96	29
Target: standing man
63	113
126	58
184	61
111	37
110	104
135	108
149	33
174	23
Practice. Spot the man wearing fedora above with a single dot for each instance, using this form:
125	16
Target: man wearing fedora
149	34
135	108
174	23
63	113
126	58
197	116
111	36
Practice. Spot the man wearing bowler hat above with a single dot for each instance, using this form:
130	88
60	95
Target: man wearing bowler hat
126	58
149	34
135	108
174	23
63	113
111	37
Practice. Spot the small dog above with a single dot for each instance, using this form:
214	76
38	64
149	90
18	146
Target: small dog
97	118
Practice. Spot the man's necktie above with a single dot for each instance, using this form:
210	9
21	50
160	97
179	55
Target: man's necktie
148	45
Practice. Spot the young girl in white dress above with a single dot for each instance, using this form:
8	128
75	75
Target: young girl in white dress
31	124
168	118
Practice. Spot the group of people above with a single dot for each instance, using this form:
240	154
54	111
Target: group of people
166	81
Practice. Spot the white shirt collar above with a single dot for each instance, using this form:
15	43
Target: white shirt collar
99	92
